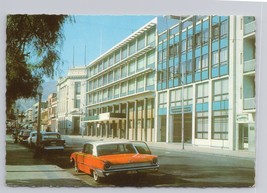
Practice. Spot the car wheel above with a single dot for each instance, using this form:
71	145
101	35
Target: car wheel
96	177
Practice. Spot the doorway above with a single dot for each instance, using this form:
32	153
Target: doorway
243	136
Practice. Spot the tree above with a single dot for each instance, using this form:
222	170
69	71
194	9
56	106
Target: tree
32	52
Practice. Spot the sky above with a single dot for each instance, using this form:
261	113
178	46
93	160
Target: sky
89	36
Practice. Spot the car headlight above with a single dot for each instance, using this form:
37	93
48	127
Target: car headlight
155	161
107	165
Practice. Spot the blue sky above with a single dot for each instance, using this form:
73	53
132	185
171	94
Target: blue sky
98	34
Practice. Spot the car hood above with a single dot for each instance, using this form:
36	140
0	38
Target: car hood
127	158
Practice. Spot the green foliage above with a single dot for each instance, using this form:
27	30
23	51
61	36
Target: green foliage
32	52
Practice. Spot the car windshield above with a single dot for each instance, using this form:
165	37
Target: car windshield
111	149
142	147
51	136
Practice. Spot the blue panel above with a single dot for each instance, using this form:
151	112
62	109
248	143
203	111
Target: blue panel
206	24
215	20
159	86
164	45
224	42
205	75
197	76
199	107
170	83
162	111
197	52
216	105
176	39
189	79
189	55
215	72
171	41
224	70
190	32
184	35
175	82
150	87
164	65
198	28
205	107
205	50
183	58
163	85
215	45
224	18
176	59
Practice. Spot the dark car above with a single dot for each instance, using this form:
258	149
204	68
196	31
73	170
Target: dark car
23	135
52	141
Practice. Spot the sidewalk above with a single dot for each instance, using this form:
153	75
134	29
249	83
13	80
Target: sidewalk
173	146
24	171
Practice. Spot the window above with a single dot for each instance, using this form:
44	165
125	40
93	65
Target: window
198	39
220	90
173	50
150	79
183	45
116	90
110	92
202	125
105	79
224	28
197	64
189	66
77	103
141	63
215	58
205	36
124	52
220	125
163	100
131	68
123	88
151	59
77	88
202	93
123	71
151	38
132	48
110	77
111	60
140	83
171	72
223	56
117	74
189	42
205	61
215	32
141	42
117	56
131	85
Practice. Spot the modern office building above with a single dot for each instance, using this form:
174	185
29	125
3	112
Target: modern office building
121	88
71	101
206	82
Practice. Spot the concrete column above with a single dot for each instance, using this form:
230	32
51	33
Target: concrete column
145	119
107	129
127	121
135	119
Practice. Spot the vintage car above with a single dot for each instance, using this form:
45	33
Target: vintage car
49	141
23	135
101	159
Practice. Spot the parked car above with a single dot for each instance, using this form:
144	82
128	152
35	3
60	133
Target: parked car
101	159
23	135
33	138
49	140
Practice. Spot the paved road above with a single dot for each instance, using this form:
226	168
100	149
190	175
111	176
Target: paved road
177	168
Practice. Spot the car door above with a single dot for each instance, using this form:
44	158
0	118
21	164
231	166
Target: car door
88	158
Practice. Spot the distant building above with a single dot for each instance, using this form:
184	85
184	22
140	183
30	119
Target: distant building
52	112
71	101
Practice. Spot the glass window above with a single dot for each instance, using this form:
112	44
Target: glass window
141	42
141	63
205	61
220	90
197	64
124	52
116	90
163	100
117	74
205	36
117	56
132	85
123	87
77	88
110	77
110	92
189	42
215	58
132	48
150	79
105	79
151	58
124	71
131	68
183	45
223	56
140	82
111	60
198	39
151	38
224	28
220	127
215	32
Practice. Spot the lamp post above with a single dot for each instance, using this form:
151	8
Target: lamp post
37	153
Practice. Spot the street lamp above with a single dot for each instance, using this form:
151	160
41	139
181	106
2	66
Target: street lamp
37	153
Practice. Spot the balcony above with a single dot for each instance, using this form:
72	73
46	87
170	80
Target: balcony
249	28
249	104
249	65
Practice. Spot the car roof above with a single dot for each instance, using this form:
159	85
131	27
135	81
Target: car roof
97	143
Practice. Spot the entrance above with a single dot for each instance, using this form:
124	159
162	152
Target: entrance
177	128
76	125
243	136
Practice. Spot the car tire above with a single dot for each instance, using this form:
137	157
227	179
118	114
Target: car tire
96	176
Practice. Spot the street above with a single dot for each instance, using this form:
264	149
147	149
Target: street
177	168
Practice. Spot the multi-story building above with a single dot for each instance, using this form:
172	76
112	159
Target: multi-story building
52	112
71	101
121	88
35	114
205	83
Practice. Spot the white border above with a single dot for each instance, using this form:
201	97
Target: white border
150	7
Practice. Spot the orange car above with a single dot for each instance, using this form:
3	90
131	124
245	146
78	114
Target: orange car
101	159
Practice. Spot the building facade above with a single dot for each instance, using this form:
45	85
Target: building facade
121	88
205	82
71	101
